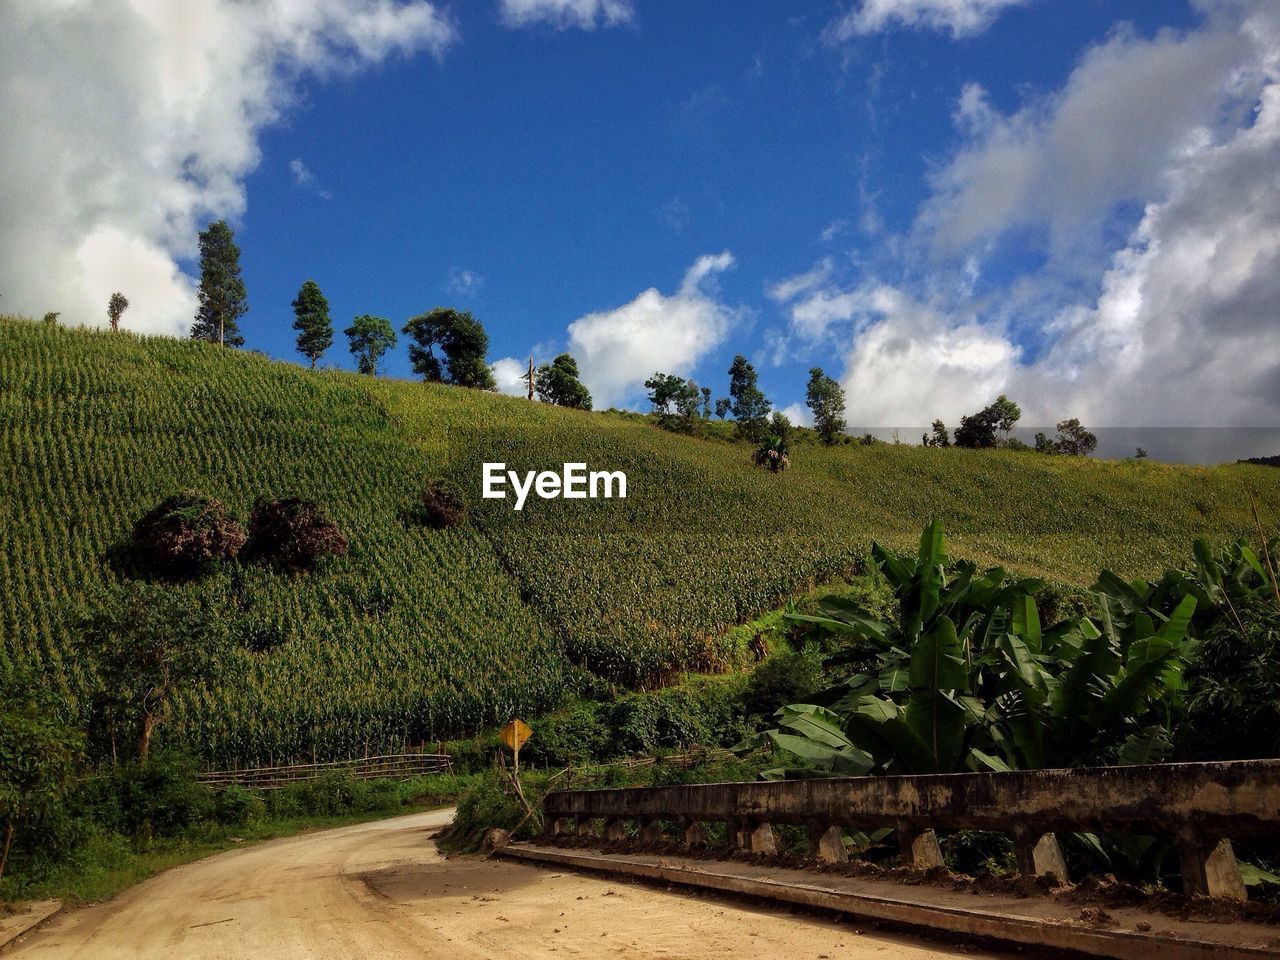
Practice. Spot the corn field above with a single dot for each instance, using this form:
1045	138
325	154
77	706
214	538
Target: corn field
417	634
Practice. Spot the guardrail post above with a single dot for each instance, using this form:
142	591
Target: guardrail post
563	826
694	834
1039	854
650	831
1209	868
762	839
919	848
827	845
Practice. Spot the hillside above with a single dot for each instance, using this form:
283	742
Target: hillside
418	634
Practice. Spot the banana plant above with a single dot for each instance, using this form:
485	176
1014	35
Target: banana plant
969	678
816	736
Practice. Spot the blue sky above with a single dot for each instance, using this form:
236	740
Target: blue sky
935	200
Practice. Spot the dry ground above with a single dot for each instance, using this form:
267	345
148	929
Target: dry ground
381	890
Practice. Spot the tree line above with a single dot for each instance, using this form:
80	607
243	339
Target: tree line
992	427
451	346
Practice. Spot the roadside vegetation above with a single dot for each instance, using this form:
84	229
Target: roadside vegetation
115	828
965	675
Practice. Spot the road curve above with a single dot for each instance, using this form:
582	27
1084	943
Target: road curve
381	890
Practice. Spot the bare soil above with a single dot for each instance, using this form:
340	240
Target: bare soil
382	890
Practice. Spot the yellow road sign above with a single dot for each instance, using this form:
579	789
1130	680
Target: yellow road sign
515	734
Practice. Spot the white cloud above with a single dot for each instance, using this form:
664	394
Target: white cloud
814	300
799	414
131	123
464	282
1129	110
911	362
509	373
1184	330
834	229
563	14
617	350
303	177
961	17
676	213
1181	330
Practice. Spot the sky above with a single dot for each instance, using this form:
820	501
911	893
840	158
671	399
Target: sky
1075	202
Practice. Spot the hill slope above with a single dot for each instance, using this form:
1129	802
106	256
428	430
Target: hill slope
420	634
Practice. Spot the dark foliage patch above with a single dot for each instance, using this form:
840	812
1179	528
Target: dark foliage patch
293	533
186	532
441	505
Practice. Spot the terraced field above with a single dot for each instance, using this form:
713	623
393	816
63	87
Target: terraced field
419	634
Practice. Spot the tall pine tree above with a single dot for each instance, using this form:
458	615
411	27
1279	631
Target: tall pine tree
223	300
315	328
750	406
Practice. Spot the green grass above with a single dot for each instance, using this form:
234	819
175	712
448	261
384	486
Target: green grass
419	635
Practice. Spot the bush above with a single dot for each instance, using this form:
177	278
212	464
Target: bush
575	737
287	803
237	807
162	797
789	676
702	712
442	505
491	803
293	533
186	532
1233	710
475	754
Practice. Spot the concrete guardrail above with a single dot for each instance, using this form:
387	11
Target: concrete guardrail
1202	806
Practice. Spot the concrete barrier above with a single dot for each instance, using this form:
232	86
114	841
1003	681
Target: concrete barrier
1202	806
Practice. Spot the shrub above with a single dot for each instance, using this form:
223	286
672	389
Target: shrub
293	533
441	505
186	532
331	794
287	803
574	737
789	676
1233	710
162	797
701	713
237	807
491	803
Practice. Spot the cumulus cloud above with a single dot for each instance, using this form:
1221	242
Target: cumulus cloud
1180	331
128	124
1184	329
910	362
799	414
564	14
961	17
509	374
617	350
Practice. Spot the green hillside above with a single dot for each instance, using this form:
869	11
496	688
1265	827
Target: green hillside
421	634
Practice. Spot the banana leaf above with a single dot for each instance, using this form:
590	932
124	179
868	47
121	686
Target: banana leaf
1026	621
937	660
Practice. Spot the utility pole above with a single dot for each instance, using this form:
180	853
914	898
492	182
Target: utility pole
529	376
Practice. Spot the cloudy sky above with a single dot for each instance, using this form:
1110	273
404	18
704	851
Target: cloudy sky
1073	201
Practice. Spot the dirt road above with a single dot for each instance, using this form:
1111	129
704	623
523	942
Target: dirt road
382	891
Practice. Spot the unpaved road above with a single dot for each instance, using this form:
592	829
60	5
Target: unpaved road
382	891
